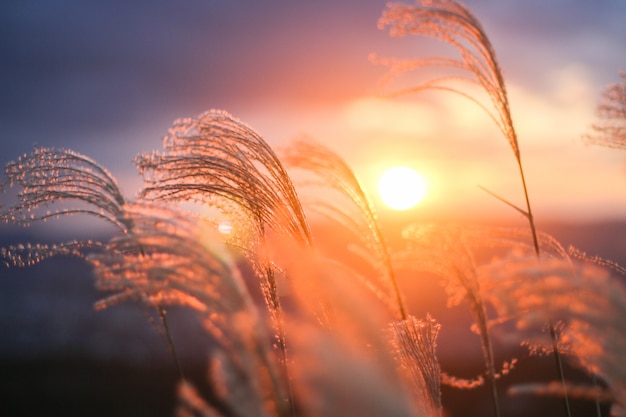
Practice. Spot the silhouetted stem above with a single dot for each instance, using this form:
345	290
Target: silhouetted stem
594	380
282	343
392	276
553	336
162	315
529	212
559	365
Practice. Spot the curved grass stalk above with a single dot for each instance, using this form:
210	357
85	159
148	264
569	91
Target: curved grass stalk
415	343
443	251
215	157
165	260
335	174
454	24
49	177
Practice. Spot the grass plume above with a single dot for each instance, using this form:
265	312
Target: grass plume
444	250
454	24
610	129
355	213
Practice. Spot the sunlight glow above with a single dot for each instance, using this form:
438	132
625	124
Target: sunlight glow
401	188
225	227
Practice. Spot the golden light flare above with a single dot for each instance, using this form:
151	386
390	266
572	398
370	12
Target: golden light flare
401	188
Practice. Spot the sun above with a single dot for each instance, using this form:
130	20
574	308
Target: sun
401	188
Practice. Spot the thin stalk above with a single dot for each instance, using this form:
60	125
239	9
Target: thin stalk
275	308
162	315
594	380
553	336
529	212
392	274
481	320
282	342
396	289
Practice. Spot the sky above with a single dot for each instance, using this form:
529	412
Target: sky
108	79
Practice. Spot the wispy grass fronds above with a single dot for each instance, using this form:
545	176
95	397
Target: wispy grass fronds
444	250
601	262
28	254
533	291
330	359
167	259
454	24
50	176
355	213
586	299
415	344
216	156
555	389
477	236
610	130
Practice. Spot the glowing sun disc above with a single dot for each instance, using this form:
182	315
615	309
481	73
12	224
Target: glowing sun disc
401	188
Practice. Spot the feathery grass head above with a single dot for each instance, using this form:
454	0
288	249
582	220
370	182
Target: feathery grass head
415	343
590	304
164	259
454	24
49	176
168	259
352	210
610	130
216	157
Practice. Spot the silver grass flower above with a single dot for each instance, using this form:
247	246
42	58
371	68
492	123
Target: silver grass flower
610	130
167	259
28	254
454	24
586	299
215	156
415	343
355	213
48	176
446	251
406	351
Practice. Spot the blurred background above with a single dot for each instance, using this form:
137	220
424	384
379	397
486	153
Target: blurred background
108	78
